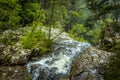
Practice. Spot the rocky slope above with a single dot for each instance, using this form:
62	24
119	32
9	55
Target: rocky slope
84	64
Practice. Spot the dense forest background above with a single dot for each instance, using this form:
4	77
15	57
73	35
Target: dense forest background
81	17
84	20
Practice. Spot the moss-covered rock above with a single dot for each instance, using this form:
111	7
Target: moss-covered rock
14	73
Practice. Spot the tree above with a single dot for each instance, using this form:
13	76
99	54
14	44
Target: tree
9	14
31	11
104	8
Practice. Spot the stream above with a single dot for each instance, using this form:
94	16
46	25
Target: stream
58	63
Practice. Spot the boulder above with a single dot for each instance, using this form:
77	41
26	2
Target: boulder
14	73
14	54
90	64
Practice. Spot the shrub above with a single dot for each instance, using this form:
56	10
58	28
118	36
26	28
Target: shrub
36	38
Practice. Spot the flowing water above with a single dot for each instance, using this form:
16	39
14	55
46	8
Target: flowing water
58	63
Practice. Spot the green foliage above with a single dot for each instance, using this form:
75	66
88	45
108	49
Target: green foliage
77	32
95	32
57	13
36	38
61	15
9	14
15	13
32	12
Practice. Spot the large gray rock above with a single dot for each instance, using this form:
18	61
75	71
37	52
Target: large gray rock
14	73
90	65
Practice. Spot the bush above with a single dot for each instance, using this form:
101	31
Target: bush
36	38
